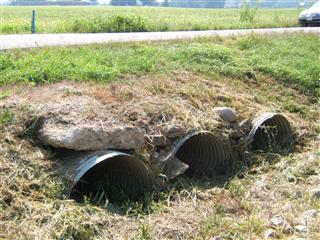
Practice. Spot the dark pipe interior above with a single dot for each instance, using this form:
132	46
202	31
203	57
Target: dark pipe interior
118	178
273	133
205	154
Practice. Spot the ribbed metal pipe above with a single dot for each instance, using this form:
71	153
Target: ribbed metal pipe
204	152
270	130
110	174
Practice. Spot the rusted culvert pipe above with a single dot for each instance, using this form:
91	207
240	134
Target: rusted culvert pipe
270	131
106	174
204	152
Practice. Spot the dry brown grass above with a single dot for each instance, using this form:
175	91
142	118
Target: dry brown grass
30	192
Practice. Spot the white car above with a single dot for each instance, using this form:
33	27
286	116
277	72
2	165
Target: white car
311	16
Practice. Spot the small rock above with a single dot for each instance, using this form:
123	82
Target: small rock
158	140
278	221
270	233
174	167
291	178
173	131
226	114
3	168
310	213
309	216
301	228
235	134
222	98
216	238
287	207
312	158
297	194
315	194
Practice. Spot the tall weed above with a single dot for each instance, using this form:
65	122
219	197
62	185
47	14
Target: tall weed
247	13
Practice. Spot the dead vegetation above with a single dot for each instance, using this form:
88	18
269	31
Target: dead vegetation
241	207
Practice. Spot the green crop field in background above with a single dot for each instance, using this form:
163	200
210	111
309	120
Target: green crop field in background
115	19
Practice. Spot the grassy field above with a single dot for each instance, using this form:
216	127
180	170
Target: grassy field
115	19
292	60
182	79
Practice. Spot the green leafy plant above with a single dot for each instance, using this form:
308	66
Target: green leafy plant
247	13
144	232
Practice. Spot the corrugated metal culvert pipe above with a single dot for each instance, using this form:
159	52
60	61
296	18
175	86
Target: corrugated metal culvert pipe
107	174
270	131
204	152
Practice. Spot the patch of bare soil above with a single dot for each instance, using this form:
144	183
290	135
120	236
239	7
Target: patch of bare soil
274	185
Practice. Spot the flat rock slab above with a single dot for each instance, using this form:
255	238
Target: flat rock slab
92	137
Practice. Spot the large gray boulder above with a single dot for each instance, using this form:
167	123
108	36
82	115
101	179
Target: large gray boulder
226	114
85	137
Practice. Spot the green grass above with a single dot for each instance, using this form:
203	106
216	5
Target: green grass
6	117
104	19
243	228
291	60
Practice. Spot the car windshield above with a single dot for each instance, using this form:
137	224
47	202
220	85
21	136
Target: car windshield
317	4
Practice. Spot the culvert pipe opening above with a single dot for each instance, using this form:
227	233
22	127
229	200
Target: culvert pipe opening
271	131
205	154
116	177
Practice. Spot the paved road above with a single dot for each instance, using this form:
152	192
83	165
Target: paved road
45	40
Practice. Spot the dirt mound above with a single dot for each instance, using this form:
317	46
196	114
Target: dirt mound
145	115
163	108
